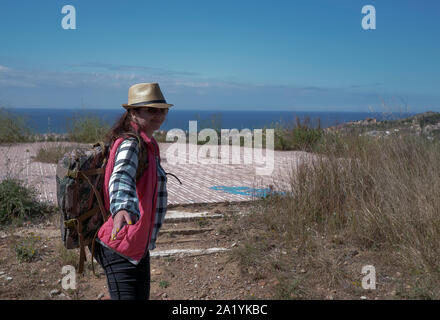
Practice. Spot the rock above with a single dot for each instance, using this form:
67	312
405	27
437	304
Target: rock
100	296
302	271
156	272
54	292
363	298
9	279
164	295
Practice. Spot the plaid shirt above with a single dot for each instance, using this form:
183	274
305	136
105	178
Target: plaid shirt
122	186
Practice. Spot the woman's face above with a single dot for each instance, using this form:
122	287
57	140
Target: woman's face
150	119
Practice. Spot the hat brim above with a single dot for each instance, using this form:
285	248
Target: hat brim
152	105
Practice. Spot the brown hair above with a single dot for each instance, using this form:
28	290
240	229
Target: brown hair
122	126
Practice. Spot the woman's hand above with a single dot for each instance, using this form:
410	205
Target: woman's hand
118	221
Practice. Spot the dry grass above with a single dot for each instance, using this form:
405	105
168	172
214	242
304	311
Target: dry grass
53	153
379	197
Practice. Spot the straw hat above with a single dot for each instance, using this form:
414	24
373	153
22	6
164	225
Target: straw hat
145	95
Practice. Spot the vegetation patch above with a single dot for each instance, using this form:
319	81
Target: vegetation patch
360	201
19	202
13	128
52	153
85	128
26	249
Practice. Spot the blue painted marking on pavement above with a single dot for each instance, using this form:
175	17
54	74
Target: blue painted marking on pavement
247	191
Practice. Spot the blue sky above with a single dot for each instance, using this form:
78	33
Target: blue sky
249	55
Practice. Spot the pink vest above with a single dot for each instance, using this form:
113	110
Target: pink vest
132	240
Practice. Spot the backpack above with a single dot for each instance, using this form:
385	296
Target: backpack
79	181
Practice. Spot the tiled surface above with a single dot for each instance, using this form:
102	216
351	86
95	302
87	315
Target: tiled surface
197	178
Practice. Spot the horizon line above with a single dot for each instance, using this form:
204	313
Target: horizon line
221	110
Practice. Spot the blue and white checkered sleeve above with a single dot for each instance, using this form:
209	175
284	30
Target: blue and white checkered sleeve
122	185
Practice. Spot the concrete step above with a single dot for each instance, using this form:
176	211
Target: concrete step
186	252
182	216
186	231
176	241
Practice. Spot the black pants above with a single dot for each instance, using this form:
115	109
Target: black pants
125	280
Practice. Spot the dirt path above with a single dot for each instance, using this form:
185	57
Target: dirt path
194	275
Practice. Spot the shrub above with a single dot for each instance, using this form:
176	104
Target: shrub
13	128
52	154
86	128
429	119
18	202
299	137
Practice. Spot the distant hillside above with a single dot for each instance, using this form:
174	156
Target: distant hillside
423	124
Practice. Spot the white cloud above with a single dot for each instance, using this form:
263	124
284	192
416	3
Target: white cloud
4	69
109	88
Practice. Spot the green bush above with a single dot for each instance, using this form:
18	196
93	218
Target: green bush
18	202
13	128
83	128
429	119
299	137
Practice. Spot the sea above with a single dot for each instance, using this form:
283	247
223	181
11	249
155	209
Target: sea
47	120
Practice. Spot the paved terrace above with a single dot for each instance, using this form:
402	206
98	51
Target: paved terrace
197	178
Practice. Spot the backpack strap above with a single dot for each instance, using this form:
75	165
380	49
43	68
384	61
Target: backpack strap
79	220
173	176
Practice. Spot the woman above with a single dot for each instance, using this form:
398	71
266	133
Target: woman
137	206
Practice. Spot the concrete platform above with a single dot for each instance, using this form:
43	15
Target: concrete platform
186	252
199	180
180	216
